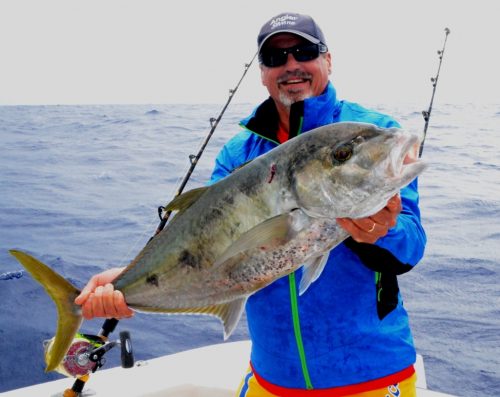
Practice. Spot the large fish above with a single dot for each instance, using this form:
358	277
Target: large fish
262	222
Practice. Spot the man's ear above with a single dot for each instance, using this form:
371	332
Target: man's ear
262	74
329	60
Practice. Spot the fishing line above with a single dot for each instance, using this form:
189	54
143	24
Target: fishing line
195	158
434	81
110	324
147	229
193	162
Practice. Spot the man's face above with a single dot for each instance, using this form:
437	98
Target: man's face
295	81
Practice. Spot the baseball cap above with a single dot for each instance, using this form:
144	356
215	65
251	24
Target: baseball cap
288	22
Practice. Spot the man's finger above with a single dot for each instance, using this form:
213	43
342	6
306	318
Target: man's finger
121	306
108	301
97	306
103	278
87	308
394	204
86	291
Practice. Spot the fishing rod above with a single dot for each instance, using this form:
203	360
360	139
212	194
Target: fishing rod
434	81
193	159
86	352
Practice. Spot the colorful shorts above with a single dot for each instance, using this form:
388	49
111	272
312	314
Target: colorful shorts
250	387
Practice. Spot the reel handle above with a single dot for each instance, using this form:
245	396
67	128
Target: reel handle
127	355
108	327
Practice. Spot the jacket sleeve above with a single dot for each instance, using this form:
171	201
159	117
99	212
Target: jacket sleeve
407	239
241	148
394	254
222	166
404	244
230	157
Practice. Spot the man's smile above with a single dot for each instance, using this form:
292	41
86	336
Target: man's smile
294	81
294	78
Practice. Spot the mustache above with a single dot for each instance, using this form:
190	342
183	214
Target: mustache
297	74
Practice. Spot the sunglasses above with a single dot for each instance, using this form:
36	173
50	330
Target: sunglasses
274	57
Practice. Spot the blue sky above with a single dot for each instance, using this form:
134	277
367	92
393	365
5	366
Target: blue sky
158	51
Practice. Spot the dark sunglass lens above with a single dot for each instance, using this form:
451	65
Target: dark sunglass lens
306	53
274	57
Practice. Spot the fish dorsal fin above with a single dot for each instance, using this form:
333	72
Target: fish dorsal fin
267	235
311	271
241	166
185	200
229	313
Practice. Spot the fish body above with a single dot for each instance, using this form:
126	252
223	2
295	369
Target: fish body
258	224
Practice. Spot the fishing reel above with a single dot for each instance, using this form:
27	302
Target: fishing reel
86	354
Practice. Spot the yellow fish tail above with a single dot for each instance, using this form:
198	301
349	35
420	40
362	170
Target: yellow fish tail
63	293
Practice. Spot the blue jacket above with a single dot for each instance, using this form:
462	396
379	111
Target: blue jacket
350	325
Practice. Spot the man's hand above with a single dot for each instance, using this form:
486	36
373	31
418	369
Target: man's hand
370	229
99	298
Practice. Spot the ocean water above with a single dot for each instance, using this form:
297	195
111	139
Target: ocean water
79	188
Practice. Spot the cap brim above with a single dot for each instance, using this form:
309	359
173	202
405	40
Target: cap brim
306	36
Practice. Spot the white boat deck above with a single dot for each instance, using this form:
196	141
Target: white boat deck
212	371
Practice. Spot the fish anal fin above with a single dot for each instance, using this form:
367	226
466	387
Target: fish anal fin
185	200
63	293
311	271
229	313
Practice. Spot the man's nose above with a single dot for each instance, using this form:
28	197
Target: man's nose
291	62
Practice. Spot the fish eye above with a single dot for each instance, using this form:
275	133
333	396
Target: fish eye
342	153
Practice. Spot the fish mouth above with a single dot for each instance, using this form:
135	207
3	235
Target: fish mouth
404	163
398	170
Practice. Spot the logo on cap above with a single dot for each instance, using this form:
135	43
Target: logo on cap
282	20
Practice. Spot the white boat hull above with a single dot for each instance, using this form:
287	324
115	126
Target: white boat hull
212	371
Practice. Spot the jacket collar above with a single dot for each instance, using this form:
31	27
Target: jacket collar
304	115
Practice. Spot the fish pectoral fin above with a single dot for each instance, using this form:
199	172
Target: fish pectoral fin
63	293
267	235
185	200
311	271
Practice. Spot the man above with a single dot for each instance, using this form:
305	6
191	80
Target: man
349	334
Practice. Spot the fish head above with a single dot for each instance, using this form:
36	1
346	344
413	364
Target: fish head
354	168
